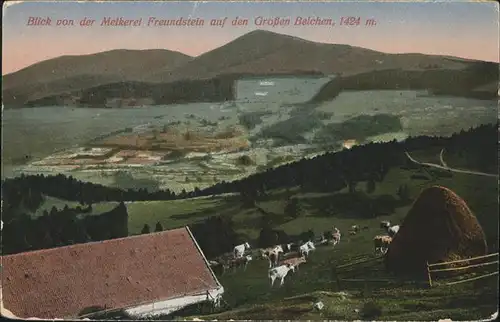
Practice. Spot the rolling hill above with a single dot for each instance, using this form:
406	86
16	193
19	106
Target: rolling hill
256	53
478	80
69	73
265	52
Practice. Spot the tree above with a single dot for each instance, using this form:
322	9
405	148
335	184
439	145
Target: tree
53	211
158	227
145	229
351	184
403	192
370	186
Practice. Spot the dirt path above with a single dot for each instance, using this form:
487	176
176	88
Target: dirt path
444	166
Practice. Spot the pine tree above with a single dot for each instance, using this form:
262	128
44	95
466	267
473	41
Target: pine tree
145	229
158	227
370	186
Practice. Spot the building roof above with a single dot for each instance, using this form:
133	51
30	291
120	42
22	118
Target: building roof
112	274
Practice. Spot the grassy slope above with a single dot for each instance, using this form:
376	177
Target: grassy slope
97	208
250	297
468	301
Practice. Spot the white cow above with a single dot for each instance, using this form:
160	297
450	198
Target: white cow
381	244
306	248
265	252
239	250
391	230
336	236
280	272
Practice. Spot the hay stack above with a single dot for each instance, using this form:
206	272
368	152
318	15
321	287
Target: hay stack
439	227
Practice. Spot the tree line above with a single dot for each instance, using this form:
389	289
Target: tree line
328	172
62	227
22	196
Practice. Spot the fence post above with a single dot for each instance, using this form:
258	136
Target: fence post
428	274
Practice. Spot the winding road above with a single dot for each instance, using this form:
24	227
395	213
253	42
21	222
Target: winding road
444	166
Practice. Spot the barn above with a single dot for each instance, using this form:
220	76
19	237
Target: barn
144	276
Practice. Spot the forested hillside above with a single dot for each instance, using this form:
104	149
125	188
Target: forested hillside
80	217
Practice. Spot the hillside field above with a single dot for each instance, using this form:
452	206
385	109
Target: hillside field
248	295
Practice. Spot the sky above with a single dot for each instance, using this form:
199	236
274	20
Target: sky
462	29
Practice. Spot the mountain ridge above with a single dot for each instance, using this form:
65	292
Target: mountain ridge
258	53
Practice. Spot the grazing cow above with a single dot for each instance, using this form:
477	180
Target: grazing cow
274	258
385	224
306	248
280	272
393	230
265	252
291	255
286	247
352	232
381	244
272	254
239	250
336	236
355	228
239	262
295	261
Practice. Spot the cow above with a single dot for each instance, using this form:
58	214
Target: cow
239	262
272	254
274	258
294	261
381	243
306	248
266	251
391	230
385	224
239	250
280	272
286	247
336	236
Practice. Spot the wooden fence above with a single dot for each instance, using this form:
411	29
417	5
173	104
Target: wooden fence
336	271
430	269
